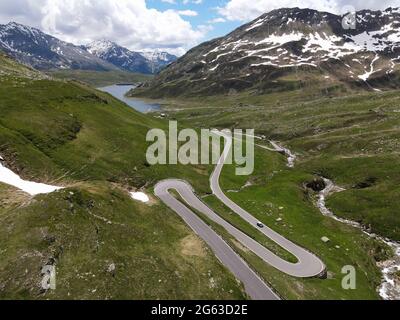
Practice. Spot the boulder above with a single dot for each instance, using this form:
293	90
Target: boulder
325	239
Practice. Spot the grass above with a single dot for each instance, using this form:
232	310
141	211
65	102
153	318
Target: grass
78	132
278	192
352	140
188	79
84	230
278	198
9	68
100	79
68	134
303	224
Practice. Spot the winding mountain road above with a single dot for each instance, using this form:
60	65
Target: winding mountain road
254	285
308	265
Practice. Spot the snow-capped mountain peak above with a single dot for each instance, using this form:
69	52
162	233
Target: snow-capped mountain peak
294	43
158	55
42	51
158	59
100	47
134	61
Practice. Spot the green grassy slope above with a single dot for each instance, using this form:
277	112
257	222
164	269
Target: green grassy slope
352	140
87	229
9	68
100	79
306	81
78	132
278	198
70	135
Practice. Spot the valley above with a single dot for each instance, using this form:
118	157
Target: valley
99	79
78	192
329	153
70	135
272	180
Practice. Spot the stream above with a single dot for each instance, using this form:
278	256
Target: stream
390	286
290	156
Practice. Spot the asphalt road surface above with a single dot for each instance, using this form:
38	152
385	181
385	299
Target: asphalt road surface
254	285
308	264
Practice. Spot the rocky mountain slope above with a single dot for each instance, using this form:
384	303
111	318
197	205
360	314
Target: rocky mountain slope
42	51
158	60
149	62
290	48
10	68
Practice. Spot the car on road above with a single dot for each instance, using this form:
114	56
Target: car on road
260	225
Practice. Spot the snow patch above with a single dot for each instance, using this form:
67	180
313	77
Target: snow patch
140	196
33	188
281	39
366	76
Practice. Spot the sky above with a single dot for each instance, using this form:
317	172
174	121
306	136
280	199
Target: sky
171	25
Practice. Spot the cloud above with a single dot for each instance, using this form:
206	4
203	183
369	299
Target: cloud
129	23
244	10
188	13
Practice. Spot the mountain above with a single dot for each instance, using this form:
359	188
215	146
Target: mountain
42	51
10	68
149	62
158	60
68	134
119	56
290	48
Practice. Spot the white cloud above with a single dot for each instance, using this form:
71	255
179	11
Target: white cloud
128	22
244	10
188	13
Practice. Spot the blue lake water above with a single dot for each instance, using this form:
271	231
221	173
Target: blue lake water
137	104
